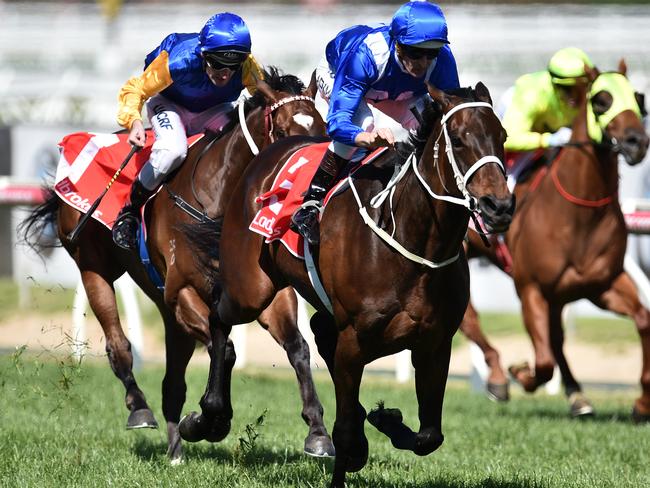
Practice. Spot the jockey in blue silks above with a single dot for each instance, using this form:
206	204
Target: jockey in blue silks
371	77
190	83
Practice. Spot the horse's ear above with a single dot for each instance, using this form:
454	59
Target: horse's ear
591	72
438	96
311	90
267	91
622	67
482	93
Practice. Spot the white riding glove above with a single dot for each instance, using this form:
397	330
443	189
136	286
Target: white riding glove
560	137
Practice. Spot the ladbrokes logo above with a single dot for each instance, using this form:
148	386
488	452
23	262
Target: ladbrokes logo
74	198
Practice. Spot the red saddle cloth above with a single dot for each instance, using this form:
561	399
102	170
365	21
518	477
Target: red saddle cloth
287	193
87	163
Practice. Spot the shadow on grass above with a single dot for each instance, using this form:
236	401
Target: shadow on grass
149	449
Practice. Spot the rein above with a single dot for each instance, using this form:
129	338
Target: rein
461	182
268	120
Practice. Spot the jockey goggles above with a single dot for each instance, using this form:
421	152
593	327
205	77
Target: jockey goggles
417	53
218	60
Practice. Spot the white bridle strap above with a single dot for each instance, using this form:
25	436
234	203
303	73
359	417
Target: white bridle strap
481	162
269	110
455	109
247	135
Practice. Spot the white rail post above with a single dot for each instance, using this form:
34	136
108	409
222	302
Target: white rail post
79	306
305	330
238	337
479	372
403	367
126	289
639	278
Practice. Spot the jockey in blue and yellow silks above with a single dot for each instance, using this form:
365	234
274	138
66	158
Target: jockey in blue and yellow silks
368	81
538	111
190	83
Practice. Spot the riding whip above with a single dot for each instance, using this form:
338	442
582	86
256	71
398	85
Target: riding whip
72	236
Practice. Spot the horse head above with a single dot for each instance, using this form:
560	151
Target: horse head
290	108
618	112
473	143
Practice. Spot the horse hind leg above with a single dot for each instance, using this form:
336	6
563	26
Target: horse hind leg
280	320
623	298
348	434
101	297
497	385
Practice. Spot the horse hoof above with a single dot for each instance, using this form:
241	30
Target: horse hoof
319	446
141	419
580	407
193	427
383	418
427	441
518	368
219	429
176	461
638	417
498	392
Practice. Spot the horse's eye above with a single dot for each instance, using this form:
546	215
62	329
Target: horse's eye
280	133
455	141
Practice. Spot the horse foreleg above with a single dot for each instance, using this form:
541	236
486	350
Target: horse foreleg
623	298
497	381
101	297
280	319
579	405
536	318
180	347
349	438
431	371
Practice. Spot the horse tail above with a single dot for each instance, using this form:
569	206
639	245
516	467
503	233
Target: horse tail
203	240
37	229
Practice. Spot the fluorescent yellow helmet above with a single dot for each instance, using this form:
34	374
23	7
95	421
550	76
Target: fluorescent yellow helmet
568	65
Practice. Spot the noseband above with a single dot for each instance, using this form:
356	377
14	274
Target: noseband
268	120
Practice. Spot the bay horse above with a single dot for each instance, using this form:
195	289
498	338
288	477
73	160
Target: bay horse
383	302
199	189
568	239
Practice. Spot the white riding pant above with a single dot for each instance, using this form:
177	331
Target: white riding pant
395	115
172	124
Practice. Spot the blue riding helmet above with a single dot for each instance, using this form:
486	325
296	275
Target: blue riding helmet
419	23
225	32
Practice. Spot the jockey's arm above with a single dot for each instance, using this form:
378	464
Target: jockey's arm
251	72
526	107
154	79
351	83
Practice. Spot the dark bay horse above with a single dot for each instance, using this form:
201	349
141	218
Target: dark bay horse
202	187
408	292
568	240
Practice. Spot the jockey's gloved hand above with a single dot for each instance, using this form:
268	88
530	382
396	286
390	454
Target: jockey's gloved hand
560	137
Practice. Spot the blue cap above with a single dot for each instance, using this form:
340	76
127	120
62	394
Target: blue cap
225	32
419	23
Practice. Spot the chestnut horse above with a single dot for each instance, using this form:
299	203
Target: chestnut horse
383	301
199	190
568	240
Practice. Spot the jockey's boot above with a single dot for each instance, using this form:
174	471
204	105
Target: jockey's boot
305	219
125	228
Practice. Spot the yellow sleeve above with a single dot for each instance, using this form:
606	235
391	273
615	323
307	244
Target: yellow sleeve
528	104
138	89
251	72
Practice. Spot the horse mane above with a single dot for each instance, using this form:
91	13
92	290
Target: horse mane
276	80
430	116
279	82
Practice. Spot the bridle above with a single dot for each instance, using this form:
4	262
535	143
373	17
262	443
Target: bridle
268	120
469	201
